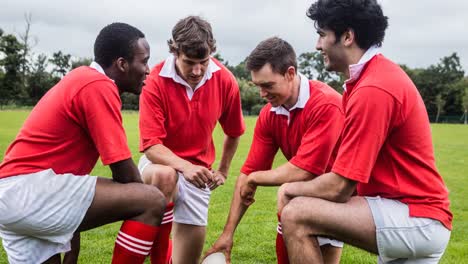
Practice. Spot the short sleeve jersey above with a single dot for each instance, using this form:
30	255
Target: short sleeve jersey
308	136
185	125
387	144
75	122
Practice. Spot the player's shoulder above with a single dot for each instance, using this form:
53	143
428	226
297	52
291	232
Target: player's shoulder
222	72
154	81
86	79
157	68
266	113
86	74
266	109
385	75
321	92
155	72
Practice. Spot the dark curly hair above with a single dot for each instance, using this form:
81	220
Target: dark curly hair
364	17
275	51
114	41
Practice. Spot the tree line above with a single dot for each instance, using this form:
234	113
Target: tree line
25	77
443	86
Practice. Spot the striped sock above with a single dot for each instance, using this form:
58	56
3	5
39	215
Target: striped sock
281	252
133	242
161	251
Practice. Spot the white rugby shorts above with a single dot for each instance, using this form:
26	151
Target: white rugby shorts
191	203
39	212
405	239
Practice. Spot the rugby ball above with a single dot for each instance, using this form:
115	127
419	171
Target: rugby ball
215	258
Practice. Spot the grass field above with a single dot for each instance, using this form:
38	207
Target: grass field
254	240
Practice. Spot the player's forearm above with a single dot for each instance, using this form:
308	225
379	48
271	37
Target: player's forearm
160	154
329	186
283	174
125	171
229	149
237	209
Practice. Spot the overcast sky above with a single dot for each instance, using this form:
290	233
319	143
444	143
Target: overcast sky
420	31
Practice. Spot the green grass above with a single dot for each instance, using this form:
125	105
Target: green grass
254	240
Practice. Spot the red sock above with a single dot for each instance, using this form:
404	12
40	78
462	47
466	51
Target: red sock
281	252
133	242
161	251
169	253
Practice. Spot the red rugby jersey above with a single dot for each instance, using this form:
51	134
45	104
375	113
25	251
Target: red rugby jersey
185	126
75	122
308	139
387	144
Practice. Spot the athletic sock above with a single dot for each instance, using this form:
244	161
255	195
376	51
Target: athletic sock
281	252
162	250
133	242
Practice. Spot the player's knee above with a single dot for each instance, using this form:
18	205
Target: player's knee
155	201
291	220
291	214
168	176
296	222
167	181
163	176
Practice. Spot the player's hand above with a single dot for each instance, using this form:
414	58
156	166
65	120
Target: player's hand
247	192
219	178
198	176
224	244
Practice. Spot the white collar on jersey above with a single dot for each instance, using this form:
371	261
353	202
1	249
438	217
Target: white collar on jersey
356	69
97	67
169	71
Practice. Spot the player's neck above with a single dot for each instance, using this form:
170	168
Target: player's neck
354	56
114	75
192	85
294	93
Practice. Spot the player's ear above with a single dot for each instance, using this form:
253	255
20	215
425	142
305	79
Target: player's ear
348	37
290	73
122	64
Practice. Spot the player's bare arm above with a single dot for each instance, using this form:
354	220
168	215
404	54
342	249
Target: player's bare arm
287	172
125	171
229	149
236	212
329	186
275	177
197	175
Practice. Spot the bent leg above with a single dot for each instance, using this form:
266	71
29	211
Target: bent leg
132	201
71	257
305	218
331	254
55	259
163	177
190	220
140	205
188	243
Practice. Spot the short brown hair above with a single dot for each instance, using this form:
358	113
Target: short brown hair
275	51
193	37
